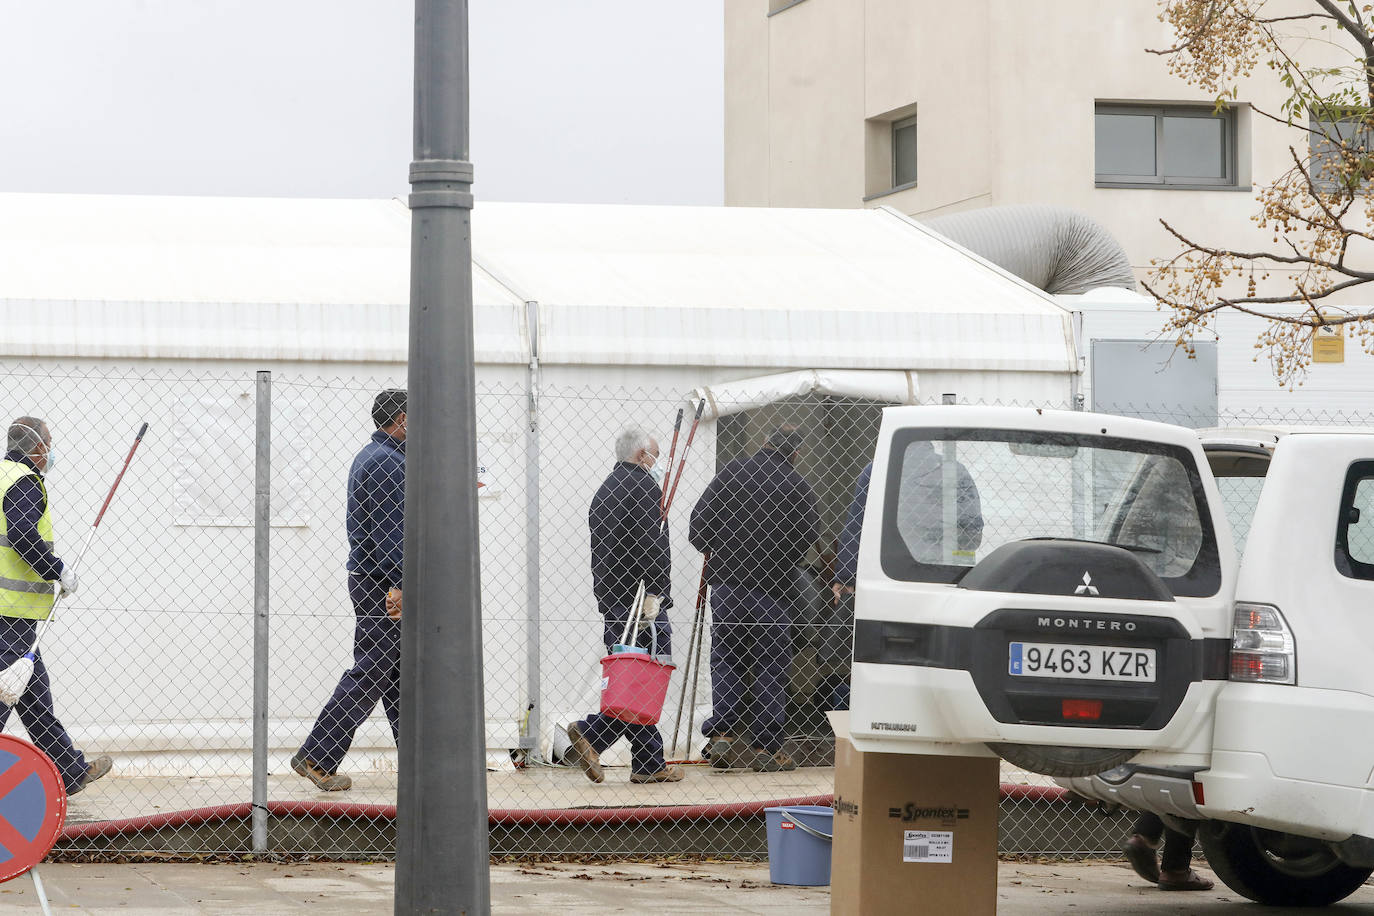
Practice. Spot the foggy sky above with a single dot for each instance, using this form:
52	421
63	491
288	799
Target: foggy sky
615	101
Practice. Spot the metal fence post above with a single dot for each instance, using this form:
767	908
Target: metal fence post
262	542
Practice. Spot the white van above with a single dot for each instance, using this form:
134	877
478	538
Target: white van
1062	589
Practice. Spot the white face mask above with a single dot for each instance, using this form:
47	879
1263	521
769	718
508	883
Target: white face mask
657	473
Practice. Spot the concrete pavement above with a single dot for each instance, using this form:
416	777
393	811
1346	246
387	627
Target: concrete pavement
322	888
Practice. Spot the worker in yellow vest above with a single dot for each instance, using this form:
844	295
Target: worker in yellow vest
28	569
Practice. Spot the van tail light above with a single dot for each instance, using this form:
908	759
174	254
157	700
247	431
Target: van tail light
1262	650
1083	710
1197	794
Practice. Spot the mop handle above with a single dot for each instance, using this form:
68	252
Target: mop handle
115	486
633	619
672	449
682	463
90	535
692	640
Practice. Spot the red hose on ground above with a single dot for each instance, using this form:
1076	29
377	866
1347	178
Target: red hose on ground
503	817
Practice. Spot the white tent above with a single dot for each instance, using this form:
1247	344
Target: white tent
327	280
650	303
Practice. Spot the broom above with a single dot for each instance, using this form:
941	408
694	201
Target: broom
14	680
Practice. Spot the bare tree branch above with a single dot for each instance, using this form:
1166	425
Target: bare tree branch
1355	28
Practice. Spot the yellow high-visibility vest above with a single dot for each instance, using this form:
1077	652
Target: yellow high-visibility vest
23	593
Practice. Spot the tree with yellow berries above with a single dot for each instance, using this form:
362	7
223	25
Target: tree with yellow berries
1319	213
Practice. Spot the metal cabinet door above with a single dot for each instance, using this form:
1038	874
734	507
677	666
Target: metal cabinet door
1154	380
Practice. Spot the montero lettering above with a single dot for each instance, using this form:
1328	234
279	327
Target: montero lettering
1084	623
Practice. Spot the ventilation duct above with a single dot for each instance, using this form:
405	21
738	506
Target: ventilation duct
1058	250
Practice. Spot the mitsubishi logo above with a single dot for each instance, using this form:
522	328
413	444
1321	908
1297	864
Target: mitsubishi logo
1087	588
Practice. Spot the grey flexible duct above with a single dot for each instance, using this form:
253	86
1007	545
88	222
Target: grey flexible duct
1054	248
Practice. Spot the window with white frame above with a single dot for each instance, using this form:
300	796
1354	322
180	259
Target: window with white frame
1165	146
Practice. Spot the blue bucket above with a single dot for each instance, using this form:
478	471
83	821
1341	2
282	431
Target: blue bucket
799	844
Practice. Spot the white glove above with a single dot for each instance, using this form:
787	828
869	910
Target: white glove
68	579
650	607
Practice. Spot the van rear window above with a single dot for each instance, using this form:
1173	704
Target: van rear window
955	495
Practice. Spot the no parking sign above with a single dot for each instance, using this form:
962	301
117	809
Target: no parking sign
33	806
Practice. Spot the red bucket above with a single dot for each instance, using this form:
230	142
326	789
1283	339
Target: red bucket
633	687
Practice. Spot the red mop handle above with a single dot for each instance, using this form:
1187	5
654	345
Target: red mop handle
115	486
672	450
691	434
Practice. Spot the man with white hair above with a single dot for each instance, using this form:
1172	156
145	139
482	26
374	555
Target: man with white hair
628	546
28	568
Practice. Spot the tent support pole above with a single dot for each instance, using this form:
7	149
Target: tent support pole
529	737
1076	380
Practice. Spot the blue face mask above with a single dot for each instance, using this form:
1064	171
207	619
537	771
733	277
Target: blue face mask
657	473
52	460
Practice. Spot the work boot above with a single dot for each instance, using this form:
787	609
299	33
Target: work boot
1140	853
94	770
667	774
584	755
725	755
764	762
329	782
1184	880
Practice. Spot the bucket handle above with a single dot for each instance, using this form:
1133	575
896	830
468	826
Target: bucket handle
806	828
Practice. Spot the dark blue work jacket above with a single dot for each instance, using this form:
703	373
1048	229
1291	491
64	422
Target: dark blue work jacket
376	510
627	544
847	557
25	503
757	519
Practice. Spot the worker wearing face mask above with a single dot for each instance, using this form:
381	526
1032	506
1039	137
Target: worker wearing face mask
28	568
629	545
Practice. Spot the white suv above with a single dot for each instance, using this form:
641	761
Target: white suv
1062	589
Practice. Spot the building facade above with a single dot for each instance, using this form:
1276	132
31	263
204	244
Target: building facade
935	107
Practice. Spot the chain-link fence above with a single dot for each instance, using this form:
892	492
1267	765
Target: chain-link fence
210	694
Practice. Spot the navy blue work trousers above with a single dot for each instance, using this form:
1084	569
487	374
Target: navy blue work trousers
375	675
750	636
35	706
646	744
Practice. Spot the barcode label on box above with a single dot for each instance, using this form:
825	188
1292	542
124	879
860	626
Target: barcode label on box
927	846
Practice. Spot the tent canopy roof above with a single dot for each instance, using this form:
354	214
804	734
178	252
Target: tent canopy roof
122	276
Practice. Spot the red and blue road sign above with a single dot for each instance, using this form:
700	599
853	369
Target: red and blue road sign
33	806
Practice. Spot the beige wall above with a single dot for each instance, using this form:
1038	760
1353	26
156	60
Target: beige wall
1004	92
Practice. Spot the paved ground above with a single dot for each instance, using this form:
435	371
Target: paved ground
162	890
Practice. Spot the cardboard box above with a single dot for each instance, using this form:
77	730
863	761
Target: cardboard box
913	833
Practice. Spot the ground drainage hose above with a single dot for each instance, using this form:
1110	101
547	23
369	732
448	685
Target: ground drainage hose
496	817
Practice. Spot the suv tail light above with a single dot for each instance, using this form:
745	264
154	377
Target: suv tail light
1262	649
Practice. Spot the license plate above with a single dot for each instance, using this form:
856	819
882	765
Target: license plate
1093	663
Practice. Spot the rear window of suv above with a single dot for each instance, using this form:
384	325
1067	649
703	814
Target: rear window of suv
955	495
